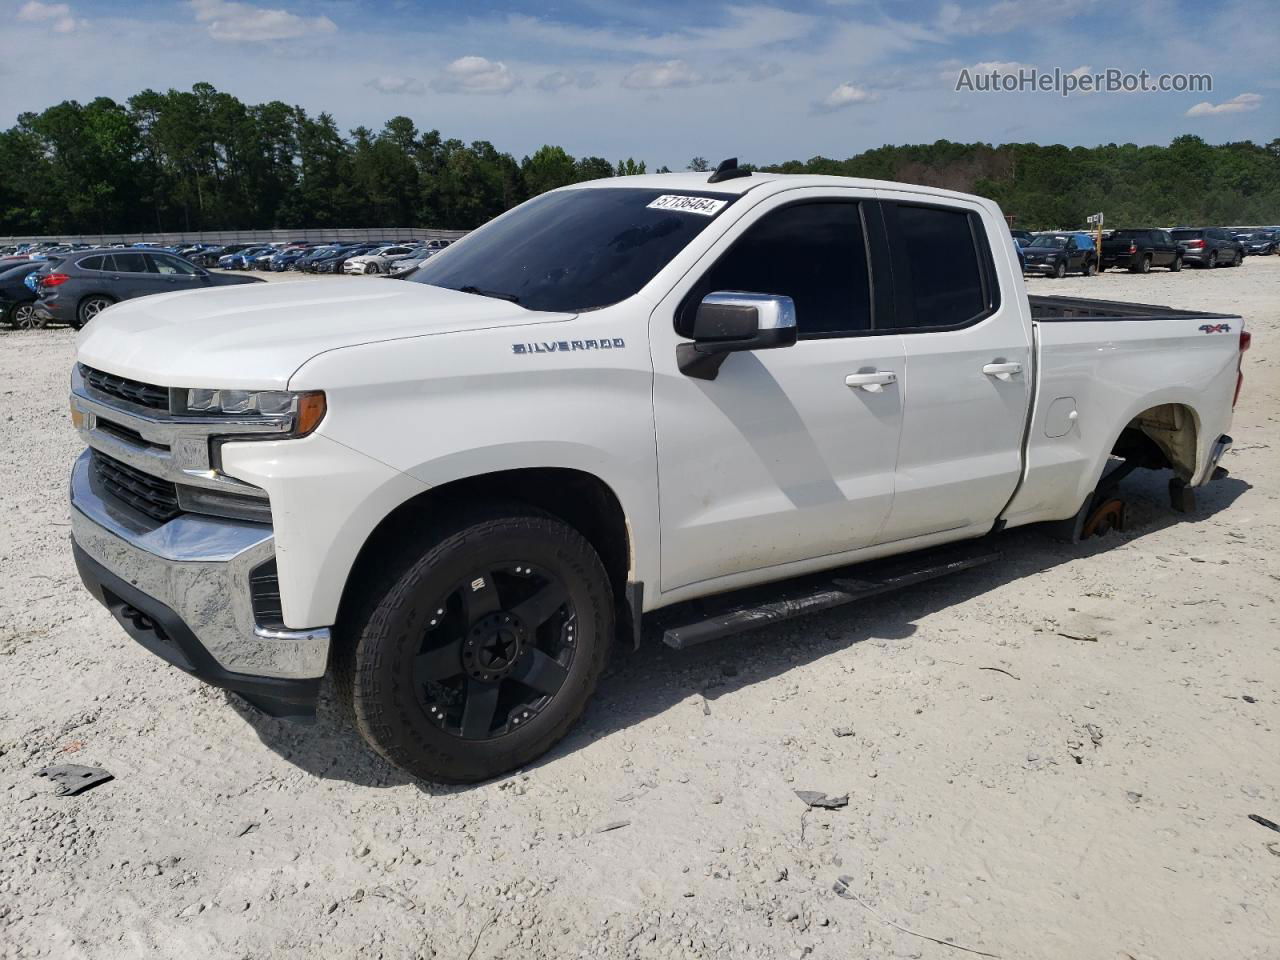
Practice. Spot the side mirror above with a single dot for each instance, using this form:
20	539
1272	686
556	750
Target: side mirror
727	322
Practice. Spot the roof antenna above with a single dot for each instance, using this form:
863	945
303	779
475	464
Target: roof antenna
728	170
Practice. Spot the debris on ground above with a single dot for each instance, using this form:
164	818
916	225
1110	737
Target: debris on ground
843	888
842	731
72	778
613	825
813	798
1269	824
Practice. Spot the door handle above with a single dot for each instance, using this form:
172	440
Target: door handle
1002	371
871	382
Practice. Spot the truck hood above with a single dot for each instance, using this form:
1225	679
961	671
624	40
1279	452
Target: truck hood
256	336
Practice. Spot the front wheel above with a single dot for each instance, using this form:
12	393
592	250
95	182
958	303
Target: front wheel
475	655
370	268
1090	268
1059	270
90	307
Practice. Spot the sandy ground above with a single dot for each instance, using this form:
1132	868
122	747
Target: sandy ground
1088	799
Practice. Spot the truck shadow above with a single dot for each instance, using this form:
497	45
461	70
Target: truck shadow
644	683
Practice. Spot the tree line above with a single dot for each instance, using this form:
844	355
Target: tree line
204	160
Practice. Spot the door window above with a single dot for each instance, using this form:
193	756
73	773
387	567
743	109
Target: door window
940	270
131	263
814	253
170	266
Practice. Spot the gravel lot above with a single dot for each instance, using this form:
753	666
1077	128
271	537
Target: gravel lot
1088	799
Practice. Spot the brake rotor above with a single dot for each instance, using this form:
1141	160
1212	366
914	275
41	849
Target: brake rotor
1108	516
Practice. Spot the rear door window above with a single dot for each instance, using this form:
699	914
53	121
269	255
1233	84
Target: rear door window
131	263
92	263
941	276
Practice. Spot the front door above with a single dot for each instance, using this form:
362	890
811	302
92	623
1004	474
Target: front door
967	384
788	454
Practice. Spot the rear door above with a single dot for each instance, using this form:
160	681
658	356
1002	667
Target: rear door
967	385
781	458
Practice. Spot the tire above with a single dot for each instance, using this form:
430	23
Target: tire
1059	270
22	316
1090	269
89	308
1236	260
1213	259
1145	265
1176	265
465	711
371	267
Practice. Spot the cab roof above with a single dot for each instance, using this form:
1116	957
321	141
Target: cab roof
769	182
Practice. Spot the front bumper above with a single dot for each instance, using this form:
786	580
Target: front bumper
1039	267
181	589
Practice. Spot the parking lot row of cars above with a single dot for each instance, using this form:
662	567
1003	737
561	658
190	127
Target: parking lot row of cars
1139	250
73	283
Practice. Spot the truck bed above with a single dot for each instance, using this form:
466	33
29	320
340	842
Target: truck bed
1048	309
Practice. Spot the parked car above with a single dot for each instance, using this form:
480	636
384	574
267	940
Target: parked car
1057	254
288	259
1260	243
333	263
1140	249
404	266
377	260
17	297
241	259
1022	237
84	285
670	396
1209	246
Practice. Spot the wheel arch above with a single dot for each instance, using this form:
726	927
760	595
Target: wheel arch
579	498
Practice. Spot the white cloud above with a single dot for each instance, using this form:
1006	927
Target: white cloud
475	75
397	85
240	22
658	76
1240	104
57	14
846	95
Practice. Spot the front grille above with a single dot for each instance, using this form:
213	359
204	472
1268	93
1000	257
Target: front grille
152	496
134	391
264	592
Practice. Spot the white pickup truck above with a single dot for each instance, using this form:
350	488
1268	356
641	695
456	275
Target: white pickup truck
453	492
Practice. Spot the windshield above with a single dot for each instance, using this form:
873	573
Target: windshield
574	250
1056	243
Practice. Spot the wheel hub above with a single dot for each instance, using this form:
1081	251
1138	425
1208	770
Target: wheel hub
493	645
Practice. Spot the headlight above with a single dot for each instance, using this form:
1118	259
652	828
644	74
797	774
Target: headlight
299	412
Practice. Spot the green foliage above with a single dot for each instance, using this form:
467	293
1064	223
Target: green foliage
1042	187
203	160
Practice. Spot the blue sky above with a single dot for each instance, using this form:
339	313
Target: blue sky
664	81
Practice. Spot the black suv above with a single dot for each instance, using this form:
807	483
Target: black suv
1057	254
1140	250
1209	246
82	286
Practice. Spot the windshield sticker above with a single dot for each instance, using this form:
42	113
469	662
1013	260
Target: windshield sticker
705	206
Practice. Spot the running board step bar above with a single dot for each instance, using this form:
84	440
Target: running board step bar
759	606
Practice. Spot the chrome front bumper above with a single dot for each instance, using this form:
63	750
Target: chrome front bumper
196	567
